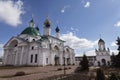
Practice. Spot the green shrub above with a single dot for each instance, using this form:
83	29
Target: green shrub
69	68
20	73
84	63
100	75
113	77
59	69
77	70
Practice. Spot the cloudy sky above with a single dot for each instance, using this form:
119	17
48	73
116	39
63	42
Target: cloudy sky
81	22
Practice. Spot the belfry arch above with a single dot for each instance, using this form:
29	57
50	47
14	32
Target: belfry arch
56	48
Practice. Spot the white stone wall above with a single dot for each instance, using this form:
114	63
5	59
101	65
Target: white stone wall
21	54
99	58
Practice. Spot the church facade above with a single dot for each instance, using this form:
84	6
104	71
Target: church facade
102	57
102	54
31	48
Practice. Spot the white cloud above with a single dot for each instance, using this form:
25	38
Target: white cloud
1	45
113	44
64	8
74	30
114	51
10	12
90	53
1	50
87	4
87	53
76	42
71	28
117	24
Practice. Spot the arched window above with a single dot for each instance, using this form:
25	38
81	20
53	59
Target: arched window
31	58
14	43
33	39
56	48
67	50
32	47
103	62
36	57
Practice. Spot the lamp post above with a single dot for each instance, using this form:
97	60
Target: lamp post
64	62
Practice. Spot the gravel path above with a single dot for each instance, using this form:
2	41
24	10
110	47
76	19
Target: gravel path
35	73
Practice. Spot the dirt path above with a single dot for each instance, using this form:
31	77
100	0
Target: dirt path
34	72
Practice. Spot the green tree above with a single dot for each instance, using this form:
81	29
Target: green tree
113	77
84	63
113	60
100	75
117	61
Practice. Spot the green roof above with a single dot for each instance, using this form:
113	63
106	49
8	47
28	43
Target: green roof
31	31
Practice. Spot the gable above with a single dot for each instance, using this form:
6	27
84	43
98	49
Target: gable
15	40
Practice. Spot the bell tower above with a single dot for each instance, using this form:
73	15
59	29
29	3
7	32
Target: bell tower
31	23
101	45
57	32
102	54
47	27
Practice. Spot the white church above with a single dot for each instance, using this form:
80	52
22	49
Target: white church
32	48
102	54
102	57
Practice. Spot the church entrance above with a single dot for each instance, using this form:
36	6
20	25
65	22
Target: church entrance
68	61
103	62
57	61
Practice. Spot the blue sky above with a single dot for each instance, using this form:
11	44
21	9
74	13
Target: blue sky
81	22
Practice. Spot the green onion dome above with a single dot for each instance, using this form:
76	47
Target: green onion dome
31	31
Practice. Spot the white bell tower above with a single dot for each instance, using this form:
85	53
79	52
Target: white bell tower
101	45
102	55
47	27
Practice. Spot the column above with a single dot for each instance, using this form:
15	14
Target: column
21	55
16	60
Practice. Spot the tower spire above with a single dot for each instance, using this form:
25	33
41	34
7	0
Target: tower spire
31	23
32	16
47	23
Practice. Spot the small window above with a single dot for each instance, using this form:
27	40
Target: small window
36	58
31	59
33	39
32	47
26	39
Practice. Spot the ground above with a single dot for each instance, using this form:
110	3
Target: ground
34	73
